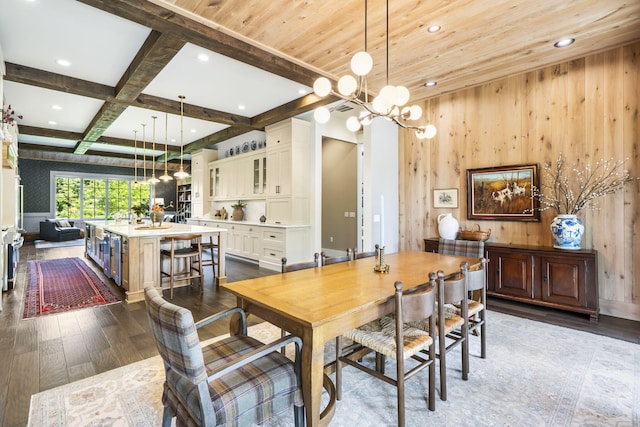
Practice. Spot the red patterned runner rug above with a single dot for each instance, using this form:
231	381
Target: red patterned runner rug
65	284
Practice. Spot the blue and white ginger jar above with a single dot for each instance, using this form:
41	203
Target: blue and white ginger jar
567	231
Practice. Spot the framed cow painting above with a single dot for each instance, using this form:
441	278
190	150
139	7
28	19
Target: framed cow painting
503	193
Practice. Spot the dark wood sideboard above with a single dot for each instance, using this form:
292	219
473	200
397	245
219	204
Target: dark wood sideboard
561	279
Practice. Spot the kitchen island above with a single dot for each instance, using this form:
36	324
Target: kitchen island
130	253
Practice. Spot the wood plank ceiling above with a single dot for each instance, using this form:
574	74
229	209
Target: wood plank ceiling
301	40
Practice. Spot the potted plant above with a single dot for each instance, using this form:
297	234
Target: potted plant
238	212
140	210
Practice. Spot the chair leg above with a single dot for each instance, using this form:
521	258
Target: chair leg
171	280
432	378
298	416
443	366
338	368
465	355
166	417
483	337
400	385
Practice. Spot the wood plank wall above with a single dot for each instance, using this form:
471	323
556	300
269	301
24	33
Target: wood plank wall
586	109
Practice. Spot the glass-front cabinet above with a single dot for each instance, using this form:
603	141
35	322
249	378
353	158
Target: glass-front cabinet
259	175
239	177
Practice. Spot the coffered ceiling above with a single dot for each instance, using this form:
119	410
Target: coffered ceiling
130	60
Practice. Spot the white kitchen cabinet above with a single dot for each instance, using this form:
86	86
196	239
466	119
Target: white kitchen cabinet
200	181
265	244
240	177
289	172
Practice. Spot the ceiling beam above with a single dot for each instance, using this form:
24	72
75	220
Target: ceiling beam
63	154
159	18
155	53
58	82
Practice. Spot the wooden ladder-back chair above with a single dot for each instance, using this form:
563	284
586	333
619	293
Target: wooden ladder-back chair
391	337
300	265
327	260
477	306
286	268
374	252
236	380
187	247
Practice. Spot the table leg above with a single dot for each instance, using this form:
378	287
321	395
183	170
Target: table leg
312	376
222	266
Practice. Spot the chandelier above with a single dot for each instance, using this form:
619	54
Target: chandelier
181	174
391	102
165	177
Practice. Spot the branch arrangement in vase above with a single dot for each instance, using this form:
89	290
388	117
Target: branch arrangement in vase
570	189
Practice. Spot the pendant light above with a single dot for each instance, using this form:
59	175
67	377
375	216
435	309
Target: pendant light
144	153
135	158
153	178
165	177
181	174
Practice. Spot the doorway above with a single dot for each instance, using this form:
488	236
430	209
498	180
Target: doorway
341	211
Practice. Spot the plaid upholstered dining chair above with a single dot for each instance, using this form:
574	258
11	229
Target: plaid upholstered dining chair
236	380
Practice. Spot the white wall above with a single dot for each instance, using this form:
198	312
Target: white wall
379	169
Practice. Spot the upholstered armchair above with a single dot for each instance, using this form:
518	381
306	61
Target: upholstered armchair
236	380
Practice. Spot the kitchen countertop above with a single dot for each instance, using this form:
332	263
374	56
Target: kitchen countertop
145	230
230	223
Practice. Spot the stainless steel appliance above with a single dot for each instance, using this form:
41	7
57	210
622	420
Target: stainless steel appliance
12	243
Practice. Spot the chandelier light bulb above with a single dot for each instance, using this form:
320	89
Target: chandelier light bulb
430	131
353	124
322	115
322	87
415	112
379	105
361	63
402	95
347	85
389	96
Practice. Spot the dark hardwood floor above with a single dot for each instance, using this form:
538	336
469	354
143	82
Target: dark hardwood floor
49	351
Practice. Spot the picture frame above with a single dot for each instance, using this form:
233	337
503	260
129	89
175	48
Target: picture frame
503	193
445	198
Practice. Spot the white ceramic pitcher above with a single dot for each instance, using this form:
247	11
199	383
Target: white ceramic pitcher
448	226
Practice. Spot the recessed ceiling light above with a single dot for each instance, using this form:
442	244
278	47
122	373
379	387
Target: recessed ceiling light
193	131
430	83
203	57
56	107
241	107
434	28
173	140
51	122
63	62
302	91
564	42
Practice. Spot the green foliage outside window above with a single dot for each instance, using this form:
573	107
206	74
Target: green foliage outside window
67	197
103	198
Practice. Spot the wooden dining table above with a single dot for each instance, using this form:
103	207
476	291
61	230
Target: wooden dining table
318	304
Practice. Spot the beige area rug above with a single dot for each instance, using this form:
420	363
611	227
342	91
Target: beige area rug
535	375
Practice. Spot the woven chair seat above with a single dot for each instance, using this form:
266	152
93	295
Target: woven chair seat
475	307
380	336
234	395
